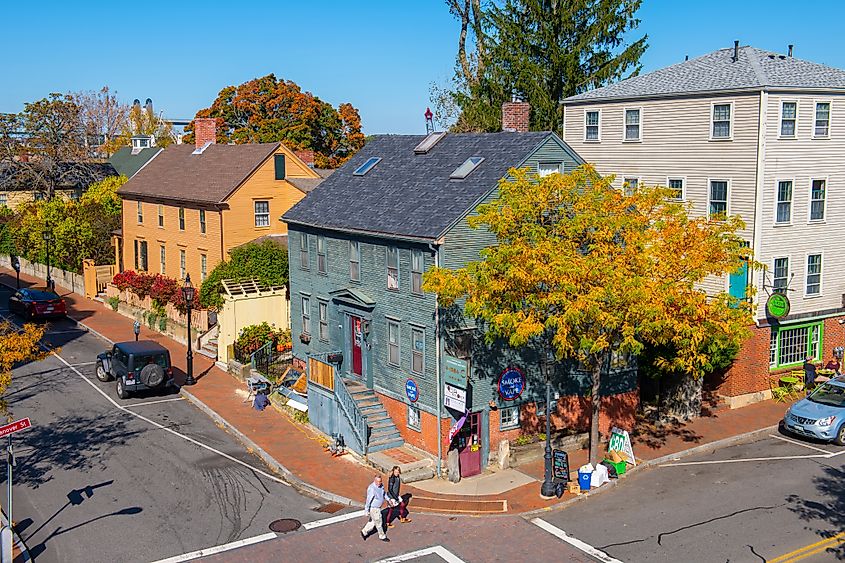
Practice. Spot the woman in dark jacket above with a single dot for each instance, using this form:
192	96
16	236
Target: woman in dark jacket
394	500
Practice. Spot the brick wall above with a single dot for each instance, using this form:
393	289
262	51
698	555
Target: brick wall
515	116
749	372
426	437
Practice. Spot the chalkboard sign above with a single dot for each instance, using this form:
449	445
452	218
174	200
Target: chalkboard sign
560	466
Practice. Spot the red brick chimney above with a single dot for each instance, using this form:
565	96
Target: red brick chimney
306	156
515	115
205	131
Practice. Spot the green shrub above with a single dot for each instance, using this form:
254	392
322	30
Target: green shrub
162	323
266	262
151	321
113	302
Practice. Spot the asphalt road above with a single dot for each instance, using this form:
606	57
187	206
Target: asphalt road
96	483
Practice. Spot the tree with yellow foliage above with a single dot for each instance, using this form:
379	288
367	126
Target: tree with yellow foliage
17	346
586	270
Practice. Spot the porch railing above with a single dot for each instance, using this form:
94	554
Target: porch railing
356	418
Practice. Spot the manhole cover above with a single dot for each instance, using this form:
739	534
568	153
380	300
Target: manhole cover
285	525
330	508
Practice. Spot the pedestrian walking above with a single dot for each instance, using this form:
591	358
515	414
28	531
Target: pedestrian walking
375	499
395	501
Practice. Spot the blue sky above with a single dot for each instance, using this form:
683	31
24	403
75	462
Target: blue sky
380	55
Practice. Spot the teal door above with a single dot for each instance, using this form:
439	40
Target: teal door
738	284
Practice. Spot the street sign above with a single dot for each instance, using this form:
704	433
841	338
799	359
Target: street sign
454	398
15	426
455	372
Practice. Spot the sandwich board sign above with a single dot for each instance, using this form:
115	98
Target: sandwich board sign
621	442
560	466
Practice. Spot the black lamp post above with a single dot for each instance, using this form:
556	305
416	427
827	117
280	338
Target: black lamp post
47	235
188	293
16	266
547	489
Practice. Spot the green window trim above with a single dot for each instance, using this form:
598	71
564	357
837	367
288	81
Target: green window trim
818	355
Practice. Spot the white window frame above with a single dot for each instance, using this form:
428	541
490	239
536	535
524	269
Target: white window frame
820	254
417	353
683	180
140	213
417	274
305	311
829	118
712	121
626	182
788	268
417	413
256	214
181	218
4	199
322	256
162	259
510	425
388	250
183	263
355	260
780	121
625	111
775	221
397	345
556	163
323	320
598	126
810	219
728	195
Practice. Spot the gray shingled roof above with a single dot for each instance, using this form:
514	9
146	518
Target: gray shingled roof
756	69
409	194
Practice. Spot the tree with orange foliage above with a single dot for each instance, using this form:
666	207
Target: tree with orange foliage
267	109
17	346
584	270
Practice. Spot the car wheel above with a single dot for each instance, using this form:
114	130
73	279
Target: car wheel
121	390
102	374
840	436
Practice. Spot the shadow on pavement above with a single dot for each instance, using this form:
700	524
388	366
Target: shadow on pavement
831	485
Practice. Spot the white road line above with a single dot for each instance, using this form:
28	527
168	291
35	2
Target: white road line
133	405
80	364
797	443
333	520
574	542
717	461
439	550
218	549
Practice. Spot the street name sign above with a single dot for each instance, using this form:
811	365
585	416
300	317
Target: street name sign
15	426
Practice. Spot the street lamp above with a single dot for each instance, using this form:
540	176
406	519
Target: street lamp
16	266
47	235
188	293
547	489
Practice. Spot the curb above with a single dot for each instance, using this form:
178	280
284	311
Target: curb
718	444
292	479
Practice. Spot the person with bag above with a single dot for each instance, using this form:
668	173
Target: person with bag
393	498
372	506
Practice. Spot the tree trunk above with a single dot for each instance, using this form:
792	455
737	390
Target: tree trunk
682	398
594	418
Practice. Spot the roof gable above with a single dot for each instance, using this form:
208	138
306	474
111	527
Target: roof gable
128	164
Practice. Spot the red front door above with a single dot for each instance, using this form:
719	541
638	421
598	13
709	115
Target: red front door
469	445
357	341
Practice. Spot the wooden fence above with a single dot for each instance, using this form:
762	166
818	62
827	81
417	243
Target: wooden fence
321	373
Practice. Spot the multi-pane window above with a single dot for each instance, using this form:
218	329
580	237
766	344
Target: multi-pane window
508	417
323	314
4	199
721	121
773	347
788	115
181	218
413	417
632	124
818	189
718	198
140	213
822	123
591	126
162	258
417	266
161	216
417	350
306	314
143	264
393	343
814	274
262	213
183	259
790	346
783	211
393	268
548	168
780	274
303	251
629	185
203	267
322	266
202	221
354	260
677	187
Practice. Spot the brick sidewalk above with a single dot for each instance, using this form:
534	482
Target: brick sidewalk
299	448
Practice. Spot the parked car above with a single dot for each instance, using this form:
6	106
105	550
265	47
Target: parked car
136	366
37	303
820	415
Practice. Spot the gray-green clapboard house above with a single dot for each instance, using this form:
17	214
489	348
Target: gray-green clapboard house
359	244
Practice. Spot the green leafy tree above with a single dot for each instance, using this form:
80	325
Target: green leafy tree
104	194
266	262
584	270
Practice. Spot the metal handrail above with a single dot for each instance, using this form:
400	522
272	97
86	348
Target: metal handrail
350	408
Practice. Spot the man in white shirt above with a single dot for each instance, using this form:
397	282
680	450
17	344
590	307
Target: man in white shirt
375	499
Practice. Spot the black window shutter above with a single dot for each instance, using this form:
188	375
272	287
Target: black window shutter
280	166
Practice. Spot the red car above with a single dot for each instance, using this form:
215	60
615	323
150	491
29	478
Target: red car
37	303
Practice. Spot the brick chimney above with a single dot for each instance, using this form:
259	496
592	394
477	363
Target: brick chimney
306	156
515	115
205	131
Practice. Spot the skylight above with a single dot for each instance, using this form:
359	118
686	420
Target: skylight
430	140
466	168
367	166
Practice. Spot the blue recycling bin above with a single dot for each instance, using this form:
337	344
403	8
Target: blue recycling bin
584	480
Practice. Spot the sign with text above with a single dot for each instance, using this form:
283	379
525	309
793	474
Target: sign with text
777	305
454	398
511	384
412	391
560	466
455	372
621	442
15	426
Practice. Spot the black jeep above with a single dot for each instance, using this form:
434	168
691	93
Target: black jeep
136	365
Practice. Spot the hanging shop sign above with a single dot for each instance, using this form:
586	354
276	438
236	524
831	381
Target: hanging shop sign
621	442
511	384
412	391
777	306
454	398
455	372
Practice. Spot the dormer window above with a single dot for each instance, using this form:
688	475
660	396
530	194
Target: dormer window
141	142
466	168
